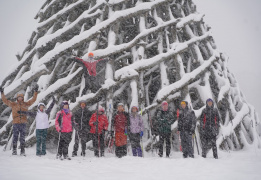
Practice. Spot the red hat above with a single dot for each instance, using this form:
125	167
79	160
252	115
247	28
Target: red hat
90	54
101	109
164	103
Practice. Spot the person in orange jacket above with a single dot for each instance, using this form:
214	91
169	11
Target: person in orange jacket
98	141
19	120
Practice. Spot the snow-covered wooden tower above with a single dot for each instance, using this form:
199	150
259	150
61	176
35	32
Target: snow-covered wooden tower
160	50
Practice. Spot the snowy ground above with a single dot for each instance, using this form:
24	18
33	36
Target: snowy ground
232	166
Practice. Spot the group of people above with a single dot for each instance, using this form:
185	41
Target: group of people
92	126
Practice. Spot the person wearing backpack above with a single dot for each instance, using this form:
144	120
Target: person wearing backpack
209	128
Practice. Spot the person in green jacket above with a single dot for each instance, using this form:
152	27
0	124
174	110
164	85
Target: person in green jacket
165	119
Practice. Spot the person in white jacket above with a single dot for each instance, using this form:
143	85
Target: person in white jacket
42	124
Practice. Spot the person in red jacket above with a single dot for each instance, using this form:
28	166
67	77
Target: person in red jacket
98	141
121	124
90	72
64	125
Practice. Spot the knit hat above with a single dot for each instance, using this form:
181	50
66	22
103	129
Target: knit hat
41	104
135	107
90	54
82	101
64	103
209	100
120	104
101	109
164	103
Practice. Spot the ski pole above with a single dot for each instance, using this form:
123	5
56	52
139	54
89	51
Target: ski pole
58	145
196	143
141	143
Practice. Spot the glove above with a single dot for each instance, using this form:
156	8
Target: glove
95	123
1	90
19	112
141	133
112	133
60	130
35	89
126	133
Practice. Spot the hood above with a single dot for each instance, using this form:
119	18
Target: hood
20	95
207	103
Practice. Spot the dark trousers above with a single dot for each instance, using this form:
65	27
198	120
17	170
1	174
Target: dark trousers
186	143
135	144
121	151
164	137
41	135
208	143
85	137
98	144
19	129
91	83
65	140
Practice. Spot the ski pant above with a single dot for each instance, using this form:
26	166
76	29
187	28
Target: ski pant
19	129
91	83
85	137
65	140
164	137
186	143
98	144
121	151
41	135
135	144
208	143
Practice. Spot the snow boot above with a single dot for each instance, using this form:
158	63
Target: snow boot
66	157
160	155
134	152
139	152
74	154
22	153
14	150
83	154
204	156
185	155
192	156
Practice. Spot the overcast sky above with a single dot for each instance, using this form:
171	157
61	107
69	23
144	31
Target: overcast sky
236	27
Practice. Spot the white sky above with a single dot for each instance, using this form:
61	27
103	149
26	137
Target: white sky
236	26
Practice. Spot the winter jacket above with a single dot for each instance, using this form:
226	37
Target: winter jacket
209	122
186	119
102	123
136	123
41	118
64	121
121	122
16	106
164	121
90	65
82	118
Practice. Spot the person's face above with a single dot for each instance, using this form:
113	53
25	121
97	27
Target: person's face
41	108
120	108
83	105
66	106
134	109
20	99
90	57
165	107
183	106
100	112
210	103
